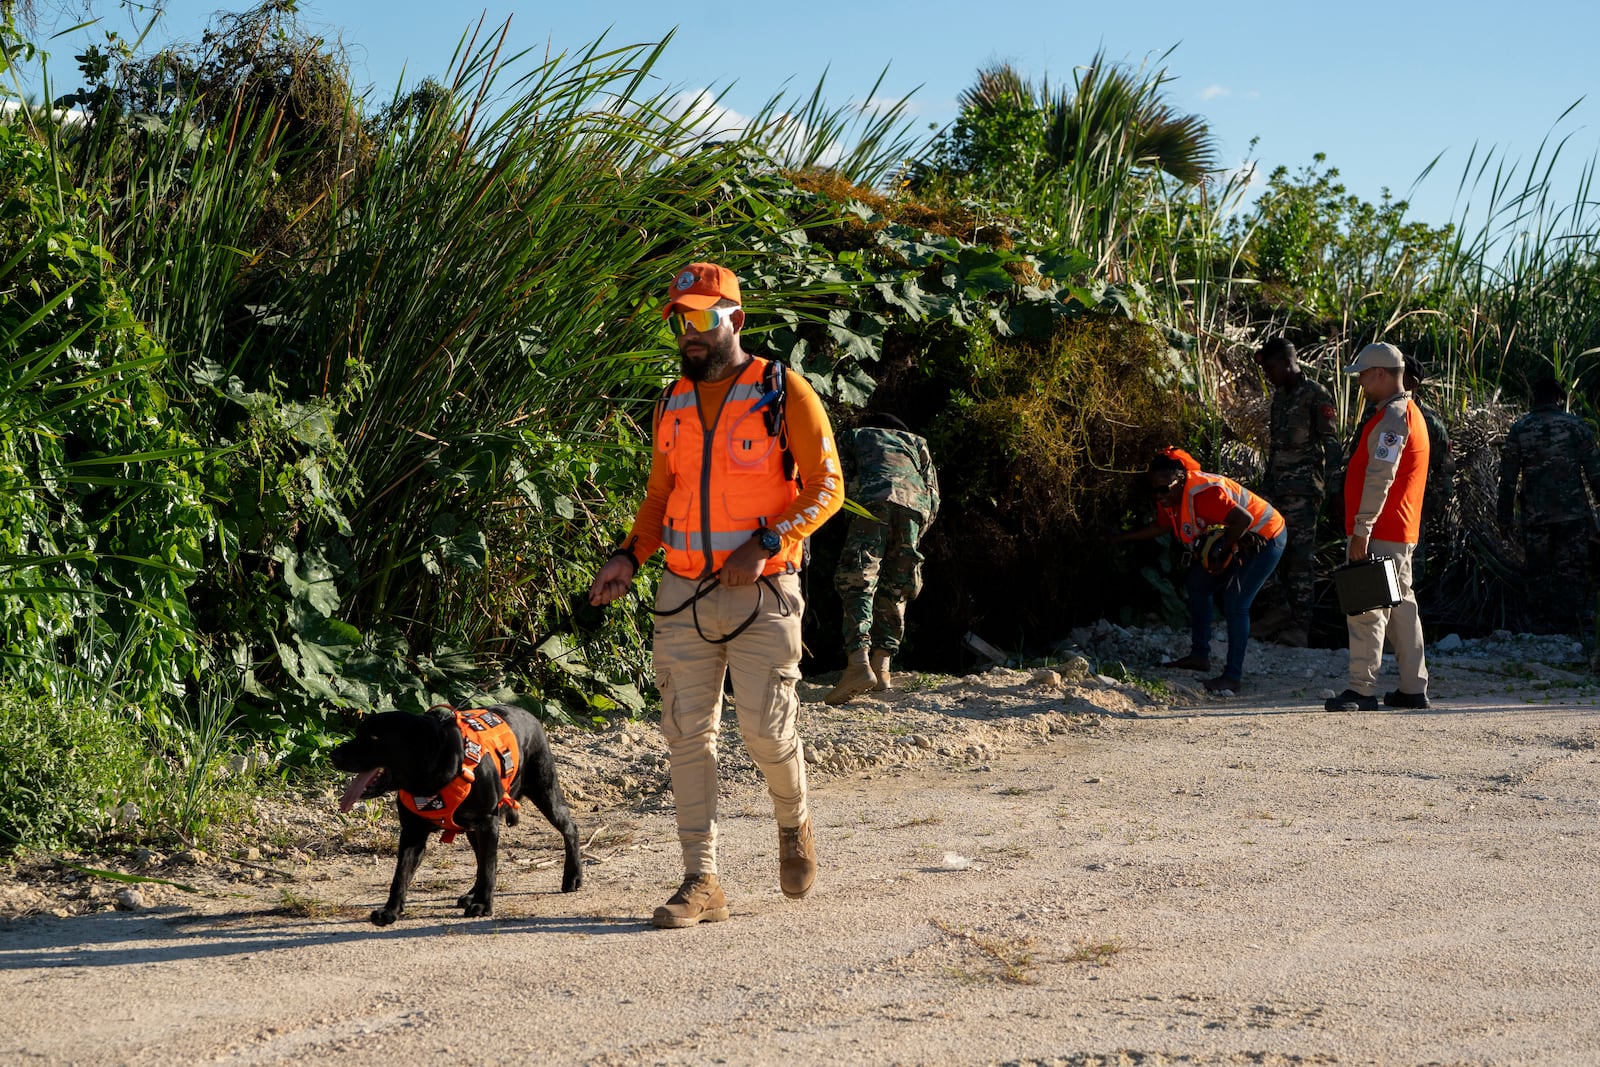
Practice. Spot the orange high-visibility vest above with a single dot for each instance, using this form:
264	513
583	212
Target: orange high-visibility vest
1400	518
728	479
481	731
1188	526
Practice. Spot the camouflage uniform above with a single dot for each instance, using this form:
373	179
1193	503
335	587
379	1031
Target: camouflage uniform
1436	497
891	474
1304	462
1552	454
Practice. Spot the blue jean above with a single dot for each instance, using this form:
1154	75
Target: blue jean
1239	584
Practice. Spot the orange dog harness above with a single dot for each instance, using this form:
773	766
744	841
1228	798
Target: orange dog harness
481	731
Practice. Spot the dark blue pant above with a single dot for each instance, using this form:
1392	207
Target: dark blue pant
1239	584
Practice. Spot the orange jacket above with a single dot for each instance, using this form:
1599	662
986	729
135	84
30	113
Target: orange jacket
712	487
1388	474
1207	501
481	731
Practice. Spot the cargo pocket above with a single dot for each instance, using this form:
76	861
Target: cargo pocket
669	706
780	707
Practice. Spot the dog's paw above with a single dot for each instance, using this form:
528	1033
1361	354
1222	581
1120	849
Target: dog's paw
477	909
575	882
384	917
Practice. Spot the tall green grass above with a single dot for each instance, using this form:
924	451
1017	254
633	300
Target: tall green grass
409	333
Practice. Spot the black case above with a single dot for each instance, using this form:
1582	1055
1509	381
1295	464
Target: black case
1367	585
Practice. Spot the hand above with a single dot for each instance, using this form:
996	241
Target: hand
744	564
611	581
1358	548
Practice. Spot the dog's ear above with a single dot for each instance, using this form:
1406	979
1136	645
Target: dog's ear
444	751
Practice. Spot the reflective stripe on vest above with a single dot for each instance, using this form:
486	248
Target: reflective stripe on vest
1264	518
727	480
481	731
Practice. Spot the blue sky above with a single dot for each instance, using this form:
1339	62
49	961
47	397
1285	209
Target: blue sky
1381	88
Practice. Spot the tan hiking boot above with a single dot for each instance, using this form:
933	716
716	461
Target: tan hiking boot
797	860
856	679
880	671
698	900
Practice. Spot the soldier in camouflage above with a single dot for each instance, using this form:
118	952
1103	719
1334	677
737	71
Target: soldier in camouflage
889	471
1547	459
1304	464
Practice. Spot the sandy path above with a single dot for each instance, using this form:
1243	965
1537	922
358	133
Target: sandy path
1240	883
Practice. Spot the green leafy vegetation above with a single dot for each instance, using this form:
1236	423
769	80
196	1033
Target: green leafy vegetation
314	407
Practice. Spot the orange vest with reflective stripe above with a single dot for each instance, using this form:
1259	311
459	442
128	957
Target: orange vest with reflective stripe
481	731
1188	527
1400	518
727	479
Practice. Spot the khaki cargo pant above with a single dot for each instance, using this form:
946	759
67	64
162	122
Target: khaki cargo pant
1402	624
764	663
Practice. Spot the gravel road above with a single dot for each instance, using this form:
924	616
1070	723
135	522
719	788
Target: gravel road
1018	867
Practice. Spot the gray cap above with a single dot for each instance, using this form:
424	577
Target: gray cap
1382	354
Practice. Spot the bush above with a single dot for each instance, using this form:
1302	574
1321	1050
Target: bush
65	770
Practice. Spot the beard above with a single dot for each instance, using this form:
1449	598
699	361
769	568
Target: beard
714	360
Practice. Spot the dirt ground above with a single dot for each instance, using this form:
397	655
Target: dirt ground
1018	867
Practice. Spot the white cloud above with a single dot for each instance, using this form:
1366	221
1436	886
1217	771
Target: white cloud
704	118
65	116
1211	92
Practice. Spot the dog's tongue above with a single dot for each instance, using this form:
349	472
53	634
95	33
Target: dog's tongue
357	786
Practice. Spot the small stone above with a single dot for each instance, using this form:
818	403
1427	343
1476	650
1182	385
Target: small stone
1449	643
1075	669
128	899
1045	677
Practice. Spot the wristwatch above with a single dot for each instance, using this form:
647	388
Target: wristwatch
770	541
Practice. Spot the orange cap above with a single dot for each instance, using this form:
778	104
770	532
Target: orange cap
1188	461
699	286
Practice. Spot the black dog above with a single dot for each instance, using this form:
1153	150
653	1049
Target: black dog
423	756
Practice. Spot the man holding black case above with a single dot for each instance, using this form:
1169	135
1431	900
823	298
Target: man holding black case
1384	484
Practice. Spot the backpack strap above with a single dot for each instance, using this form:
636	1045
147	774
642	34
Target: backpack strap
774	383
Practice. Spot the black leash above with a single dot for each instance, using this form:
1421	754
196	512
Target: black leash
704	588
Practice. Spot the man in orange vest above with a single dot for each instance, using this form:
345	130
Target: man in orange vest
1384	484
732	496
1234	539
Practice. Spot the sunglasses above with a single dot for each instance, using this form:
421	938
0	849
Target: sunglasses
681	322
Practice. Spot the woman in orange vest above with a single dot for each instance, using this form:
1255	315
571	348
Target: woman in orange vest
1234	540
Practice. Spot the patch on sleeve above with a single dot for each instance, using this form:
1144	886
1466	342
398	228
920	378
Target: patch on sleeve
1388	446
